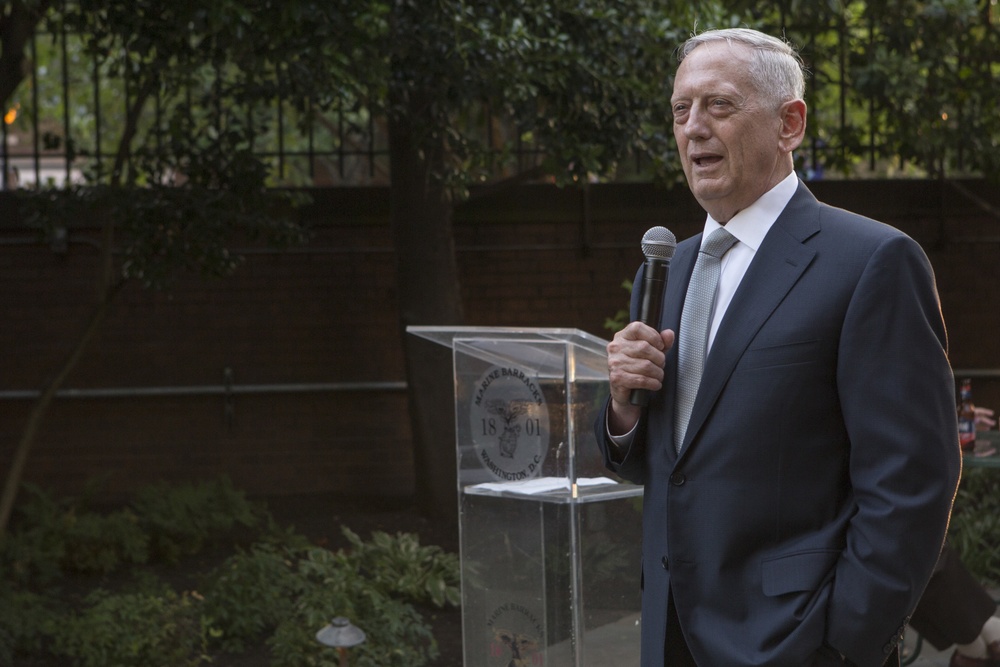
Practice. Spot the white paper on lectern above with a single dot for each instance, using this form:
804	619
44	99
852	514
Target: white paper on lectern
542	484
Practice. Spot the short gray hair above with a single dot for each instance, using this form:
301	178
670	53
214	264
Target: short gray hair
776	68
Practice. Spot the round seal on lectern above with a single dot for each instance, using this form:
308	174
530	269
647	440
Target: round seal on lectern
515	636
510	423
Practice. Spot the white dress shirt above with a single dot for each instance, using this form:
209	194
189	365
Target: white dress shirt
749	226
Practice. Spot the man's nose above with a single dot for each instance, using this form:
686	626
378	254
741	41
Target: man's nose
696	126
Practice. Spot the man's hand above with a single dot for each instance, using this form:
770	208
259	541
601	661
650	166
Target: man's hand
635	361
984	419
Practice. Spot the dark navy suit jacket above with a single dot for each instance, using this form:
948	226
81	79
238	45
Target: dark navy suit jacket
811	497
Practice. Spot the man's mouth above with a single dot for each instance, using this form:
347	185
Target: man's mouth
705	160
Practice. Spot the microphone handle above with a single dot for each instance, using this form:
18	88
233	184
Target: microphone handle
639	397
654	284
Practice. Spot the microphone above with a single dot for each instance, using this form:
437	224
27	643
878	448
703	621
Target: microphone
658	245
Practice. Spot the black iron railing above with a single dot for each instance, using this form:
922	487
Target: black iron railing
59	124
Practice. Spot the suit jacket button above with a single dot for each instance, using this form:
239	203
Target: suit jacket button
665	563
678	479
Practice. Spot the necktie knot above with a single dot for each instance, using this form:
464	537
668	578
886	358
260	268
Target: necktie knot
718	243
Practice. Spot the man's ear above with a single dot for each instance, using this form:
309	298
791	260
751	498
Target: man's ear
793	125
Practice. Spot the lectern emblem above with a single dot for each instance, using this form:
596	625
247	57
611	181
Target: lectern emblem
510	423
508	411
520	647
516	637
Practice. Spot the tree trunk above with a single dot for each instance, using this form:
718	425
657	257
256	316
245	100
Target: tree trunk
428	294
17	27
16	472
108	287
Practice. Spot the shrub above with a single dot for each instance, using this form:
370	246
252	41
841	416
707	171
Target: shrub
247	596
328	586
281	589
399	564
102	543
181	519
292	591
134	630
975	523
34	548
53	537
23	618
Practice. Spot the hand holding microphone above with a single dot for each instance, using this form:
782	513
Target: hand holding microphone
658	246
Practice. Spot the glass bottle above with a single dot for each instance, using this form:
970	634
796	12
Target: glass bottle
966	417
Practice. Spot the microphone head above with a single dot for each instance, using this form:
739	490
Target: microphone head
659	243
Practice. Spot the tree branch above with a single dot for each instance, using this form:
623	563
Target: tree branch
975	199
17	27
24	445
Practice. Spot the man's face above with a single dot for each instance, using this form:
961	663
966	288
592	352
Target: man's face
727	133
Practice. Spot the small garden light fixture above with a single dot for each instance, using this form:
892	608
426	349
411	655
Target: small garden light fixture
341	635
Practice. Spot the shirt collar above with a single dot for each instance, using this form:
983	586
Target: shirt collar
751	225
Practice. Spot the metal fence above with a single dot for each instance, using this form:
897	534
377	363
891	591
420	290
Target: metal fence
60	123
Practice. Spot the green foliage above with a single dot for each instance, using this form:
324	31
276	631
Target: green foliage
288	593
163	523
280	589
64	536
249	594
180	519
35	550
180	175
907	85
168	231
620	318
96	543
975	523
928	68
328	586
398	563
580	81
23	617
134	630
579	84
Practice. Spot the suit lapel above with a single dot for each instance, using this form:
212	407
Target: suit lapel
776	267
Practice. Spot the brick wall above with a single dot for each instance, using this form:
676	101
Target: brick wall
295	331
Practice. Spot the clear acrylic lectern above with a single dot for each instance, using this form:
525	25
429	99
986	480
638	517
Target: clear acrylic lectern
550	541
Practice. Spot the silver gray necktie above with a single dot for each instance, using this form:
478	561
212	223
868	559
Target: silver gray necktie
692	340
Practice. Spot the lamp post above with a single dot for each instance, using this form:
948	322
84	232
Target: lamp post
341	635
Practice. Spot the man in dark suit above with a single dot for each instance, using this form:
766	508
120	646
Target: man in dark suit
798	516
